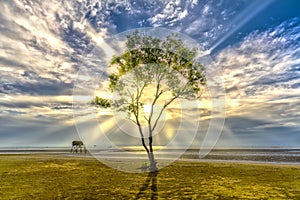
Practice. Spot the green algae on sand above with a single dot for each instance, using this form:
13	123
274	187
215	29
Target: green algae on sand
62	177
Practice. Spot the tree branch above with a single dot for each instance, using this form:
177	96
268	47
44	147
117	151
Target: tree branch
161	111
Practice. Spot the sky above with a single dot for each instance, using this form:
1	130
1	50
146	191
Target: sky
255	45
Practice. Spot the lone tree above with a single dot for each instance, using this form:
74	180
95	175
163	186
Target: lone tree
149	76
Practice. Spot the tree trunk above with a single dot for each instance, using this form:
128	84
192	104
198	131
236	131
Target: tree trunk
153	167
152	161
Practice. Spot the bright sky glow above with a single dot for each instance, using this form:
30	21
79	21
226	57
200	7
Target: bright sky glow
147	108
255	46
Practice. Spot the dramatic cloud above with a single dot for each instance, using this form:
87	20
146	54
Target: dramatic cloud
262	78
45	43
265	66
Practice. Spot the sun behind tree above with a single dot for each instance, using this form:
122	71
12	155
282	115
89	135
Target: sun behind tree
147	78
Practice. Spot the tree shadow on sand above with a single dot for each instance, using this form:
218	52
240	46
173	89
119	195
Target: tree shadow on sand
150	183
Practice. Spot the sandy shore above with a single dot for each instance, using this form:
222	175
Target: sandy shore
78	176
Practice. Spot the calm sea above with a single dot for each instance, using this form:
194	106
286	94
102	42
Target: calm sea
261	155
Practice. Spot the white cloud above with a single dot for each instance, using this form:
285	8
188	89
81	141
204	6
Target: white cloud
37	66
261	70
212	21
206	10
42	44
194	3
172	12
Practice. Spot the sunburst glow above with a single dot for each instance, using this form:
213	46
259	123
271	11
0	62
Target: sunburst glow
147	108
255	47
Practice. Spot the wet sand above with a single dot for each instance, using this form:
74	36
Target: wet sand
267	156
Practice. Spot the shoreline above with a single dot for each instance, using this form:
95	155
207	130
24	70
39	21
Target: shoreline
126	159
263	156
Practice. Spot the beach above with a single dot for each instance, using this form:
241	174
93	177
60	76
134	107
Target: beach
289	156
61	175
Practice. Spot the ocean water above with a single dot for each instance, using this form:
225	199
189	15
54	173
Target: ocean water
259	155
35	150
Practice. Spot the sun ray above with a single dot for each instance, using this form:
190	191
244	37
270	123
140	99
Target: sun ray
249	13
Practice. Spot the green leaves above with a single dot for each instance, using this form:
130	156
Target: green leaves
105	103
113	78
165	64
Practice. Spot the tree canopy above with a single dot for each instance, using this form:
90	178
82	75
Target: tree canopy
152	72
